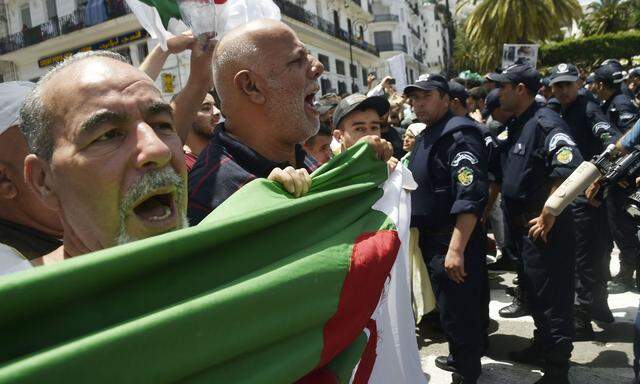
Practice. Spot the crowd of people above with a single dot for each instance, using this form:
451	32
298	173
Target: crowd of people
92	156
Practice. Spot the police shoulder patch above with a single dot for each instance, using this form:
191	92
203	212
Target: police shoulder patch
565	155
627	116
464	155
601	126
465	176
559	138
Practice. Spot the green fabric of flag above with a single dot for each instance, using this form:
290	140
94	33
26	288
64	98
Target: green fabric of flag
267	289
166	9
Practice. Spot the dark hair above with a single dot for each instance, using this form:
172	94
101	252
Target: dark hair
325	130
478	93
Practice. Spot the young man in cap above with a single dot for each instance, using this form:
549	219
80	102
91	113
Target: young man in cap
458	96
592	132
319	146
357	116
620	111
539	155
449	163
28	229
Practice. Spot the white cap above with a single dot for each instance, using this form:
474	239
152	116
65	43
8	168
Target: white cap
12	95
416	128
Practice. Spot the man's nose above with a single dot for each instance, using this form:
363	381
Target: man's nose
151	152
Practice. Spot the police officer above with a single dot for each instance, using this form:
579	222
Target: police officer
621	111
539	155
592	132
449	162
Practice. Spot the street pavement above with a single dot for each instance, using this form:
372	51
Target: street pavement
607	360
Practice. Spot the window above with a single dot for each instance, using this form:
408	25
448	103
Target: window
438	43
354	88
404	40
325	86
340	67
26	16
383	38
342	88
51	8
364	77
411	78
354	71
325	62
361	35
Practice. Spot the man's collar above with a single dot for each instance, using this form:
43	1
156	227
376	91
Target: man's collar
251	160
527	114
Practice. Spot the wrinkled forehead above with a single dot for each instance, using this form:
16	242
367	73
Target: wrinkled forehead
95	84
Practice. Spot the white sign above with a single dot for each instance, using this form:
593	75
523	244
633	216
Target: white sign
512	53
397	69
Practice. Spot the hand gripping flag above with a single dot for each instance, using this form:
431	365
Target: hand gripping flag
267	289
160	18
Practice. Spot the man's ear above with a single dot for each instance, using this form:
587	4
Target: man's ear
248	84
8	189
37	175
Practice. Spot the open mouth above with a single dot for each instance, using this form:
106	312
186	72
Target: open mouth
308	101
156	208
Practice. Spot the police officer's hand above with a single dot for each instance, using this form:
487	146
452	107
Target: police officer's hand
454	266
541	225
383	148
296	181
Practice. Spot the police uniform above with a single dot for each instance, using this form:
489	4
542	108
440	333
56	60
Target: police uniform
449	163
592	132
623	113
540	151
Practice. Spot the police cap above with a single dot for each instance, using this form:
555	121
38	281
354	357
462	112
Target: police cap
520	73
564	73
609	73
428	82
457	90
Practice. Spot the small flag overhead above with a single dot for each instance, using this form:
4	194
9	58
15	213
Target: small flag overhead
161	18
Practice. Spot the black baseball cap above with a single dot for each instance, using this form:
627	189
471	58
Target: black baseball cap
564	73
613	62
359	102
609	73
491	102
520	73
457	90
428	82
324	108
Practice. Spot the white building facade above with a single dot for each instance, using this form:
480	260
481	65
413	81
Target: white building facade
36	34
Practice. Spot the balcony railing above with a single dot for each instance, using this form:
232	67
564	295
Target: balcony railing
298	13
391	47
414	7
57	26
385	17
413	31
418	57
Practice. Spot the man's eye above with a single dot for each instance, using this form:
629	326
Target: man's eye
109	135
163	126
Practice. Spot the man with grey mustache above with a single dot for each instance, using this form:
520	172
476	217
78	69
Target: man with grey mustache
106	156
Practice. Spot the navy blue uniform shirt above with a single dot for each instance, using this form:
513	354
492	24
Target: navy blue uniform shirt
539	149
226	165
589	126
449	163
621	111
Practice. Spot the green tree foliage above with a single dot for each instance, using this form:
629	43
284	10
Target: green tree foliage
606	16
495	22
588	52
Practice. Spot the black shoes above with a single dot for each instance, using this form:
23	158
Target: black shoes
516	309
621	283
458	379
442	362
532	355
582	323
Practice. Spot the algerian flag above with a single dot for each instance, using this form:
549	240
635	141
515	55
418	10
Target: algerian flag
161	18
267	289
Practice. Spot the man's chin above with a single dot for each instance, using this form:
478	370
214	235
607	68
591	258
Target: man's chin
139	232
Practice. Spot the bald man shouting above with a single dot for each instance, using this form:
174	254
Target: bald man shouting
267	80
